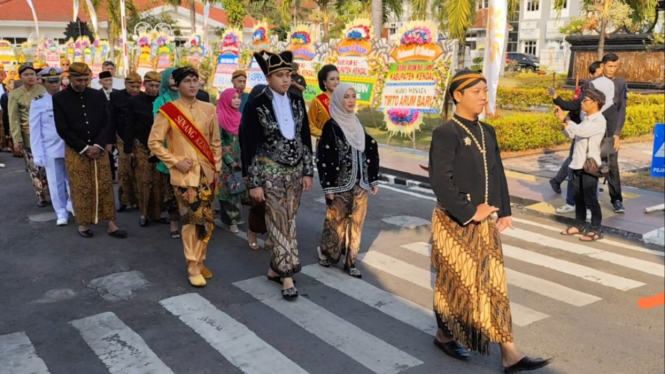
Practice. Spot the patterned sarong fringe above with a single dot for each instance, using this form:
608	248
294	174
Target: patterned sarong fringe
470	296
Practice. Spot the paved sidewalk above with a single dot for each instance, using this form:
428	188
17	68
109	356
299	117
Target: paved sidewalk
528	182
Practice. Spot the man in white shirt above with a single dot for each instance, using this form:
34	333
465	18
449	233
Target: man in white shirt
48	149
118	83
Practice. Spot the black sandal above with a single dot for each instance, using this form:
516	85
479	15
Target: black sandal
567	232
592	236
175	234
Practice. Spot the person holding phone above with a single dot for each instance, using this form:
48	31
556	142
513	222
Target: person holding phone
575	115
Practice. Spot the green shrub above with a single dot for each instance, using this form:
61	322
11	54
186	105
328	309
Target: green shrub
526	131
641	119
524	98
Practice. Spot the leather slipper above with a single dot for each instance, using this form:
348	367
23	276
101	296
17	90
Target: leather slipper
86	234
118	234
527	364
453	349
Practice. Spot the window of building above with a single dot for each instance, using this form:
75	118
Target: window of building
565	4
512	46
532	5
483	4
392	30
531	47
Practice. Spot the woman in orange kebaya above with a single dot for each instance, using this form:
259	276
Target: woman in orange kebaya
319	109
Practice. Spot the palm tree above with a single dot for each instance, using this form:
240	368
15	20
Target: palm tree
113	18
380	11
642	10
377	18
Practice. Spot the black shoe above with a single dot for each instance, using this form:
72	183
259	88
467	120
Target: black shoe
618	207
527	364
118	234
556	186
86	234
290	293
354	272
453	349
42	204
143	222
122	208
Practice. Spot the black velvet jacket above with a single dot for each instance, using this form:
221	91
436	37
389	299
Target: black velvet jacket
119	110
82	118
140	120
457	174
341	166
261	136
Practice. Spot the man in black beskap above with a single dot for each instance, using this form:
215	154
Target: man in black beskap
610	65
140	120
119	110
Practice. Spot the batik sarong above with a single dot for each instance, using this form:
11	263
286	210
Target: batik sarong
127	190
282	190
37	175
91	187
149	184
470	296
196	207
344	214
170	203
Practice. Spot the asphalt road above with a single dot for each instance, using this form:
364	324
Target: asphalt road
71	305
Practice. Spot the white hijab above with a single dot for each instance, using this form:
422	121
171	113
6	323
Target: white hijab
348	121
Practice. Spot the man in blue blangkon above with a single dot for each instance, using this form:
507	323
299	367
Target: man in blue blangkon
276	156
466	173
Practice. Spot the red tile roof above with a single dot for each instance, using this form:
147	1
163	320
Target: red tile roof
62	11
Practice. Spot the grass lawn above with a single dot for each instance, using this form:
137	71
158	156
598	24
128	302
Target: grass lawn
642	179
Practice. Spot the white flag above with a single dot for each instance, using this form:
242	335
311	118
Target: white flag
76	10
93	16
125	52
34	16
206	14
496	41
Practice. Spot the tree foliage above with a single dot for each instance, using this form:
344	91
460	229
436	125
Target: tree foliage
235	12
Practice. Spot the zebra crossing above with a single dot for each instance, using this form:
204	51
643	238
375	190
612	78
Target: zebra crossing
122	350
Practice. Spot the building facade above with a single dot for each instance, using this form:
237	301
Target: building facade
538	32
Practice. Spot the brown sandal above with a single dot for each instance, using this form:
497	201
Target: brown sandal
591	236
567	231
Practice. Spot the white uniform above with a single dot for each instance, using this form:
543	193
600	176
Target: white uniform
48	150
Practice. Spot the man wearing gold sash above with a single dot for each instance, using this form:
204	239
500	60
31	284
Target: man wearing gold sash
194	159
466	173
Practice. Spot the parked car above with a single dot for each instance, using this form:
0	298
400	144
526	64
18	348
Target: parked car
522	61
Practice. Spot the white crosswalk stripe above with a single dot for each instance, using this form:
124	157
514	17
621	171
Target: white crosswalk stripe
571	268
233	340
120	348
522	316
388	303
18	355
527	282
371	352
614	258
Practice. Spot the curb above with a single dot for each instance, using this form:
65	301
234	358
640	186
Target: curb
413	180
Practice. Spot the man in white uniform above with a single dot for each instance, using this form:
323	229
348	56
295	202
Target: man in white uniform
48	149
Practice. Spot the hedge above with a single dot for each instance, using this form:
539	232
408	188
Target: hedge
526	131
523	98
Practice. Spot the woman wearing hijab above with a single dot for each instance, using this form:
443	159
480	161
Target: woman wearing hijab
348	164
229	120
168	92
257	210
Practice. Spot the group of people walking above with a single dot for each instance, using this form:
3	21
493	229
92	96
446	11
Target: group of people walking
258	149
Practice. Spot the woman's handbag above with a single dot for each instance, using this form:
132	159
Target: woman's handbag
235	183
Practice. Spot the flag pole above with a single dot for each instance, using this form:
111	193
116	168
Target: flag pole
125	54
